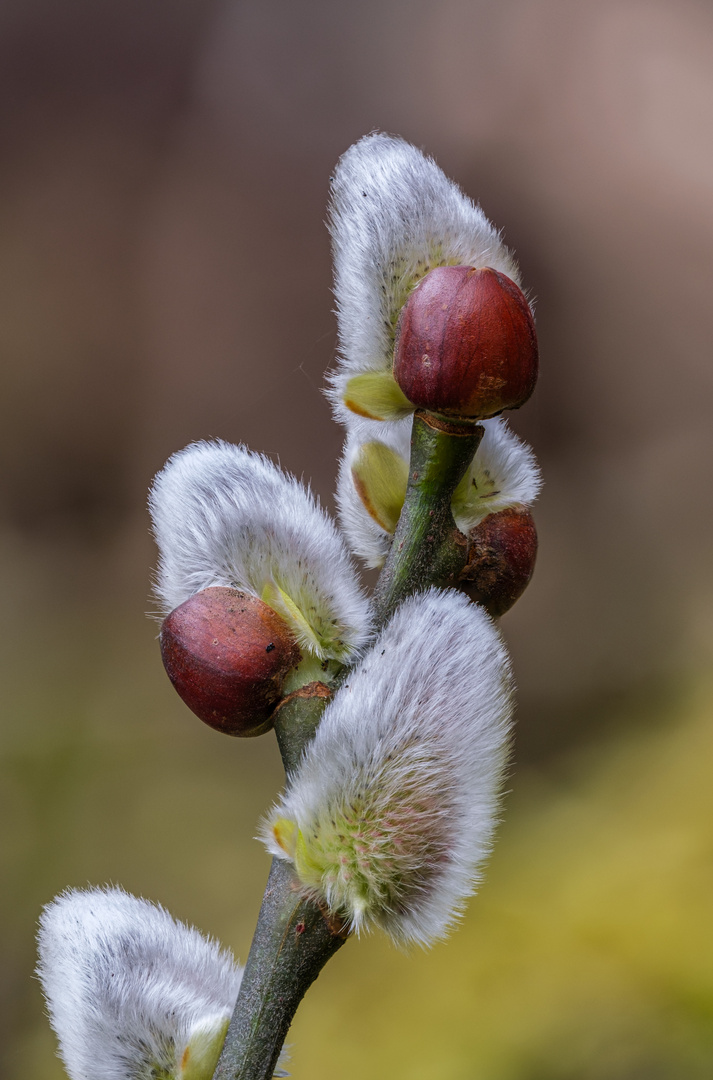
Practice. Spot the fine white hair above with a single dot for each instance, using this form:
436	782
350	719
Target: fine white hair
394	215
129	988
225	516
503	474
393	808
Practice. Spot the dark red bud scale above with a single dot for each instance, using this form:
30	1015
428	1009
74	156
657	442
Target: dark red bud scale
227	654
501	558
466	343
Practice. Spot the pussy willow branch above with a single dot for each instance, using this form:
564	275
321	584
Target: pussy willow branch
294	938
292	943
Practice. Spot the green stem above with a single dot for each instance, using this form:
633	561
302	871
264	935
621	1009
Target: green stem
292	943
427	548
297	719
294	938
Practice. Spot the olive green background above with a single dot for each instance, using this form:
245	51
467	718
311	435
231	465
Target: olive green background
165	276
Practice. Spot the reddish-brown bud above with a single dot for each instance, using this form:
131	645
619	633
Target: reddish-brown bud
501	558
227	654
466	343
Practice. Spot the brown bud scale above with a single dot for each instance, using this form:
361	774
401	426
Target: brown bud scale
466	343
227	654
501	558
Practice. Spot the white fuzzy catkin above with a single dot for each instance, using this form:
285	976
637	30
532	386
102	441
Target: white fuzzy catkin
223	515
503	474
132	993
392	811
394	215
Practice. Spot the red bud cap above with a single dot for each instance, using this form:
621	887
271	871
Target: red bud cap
227	654
501	558
466	343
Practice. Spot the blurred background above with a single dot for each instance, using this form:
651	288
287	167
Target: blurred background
165	276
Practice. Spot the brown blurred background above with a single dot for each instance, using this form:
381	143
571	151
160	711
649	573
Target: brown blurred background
165	276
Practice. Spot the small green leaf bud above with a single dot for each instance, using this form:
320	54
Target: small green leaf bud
227	654
380	477
466	343
376	395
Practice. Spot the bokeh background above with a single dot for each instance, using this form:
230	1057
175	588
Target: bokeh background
165	276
